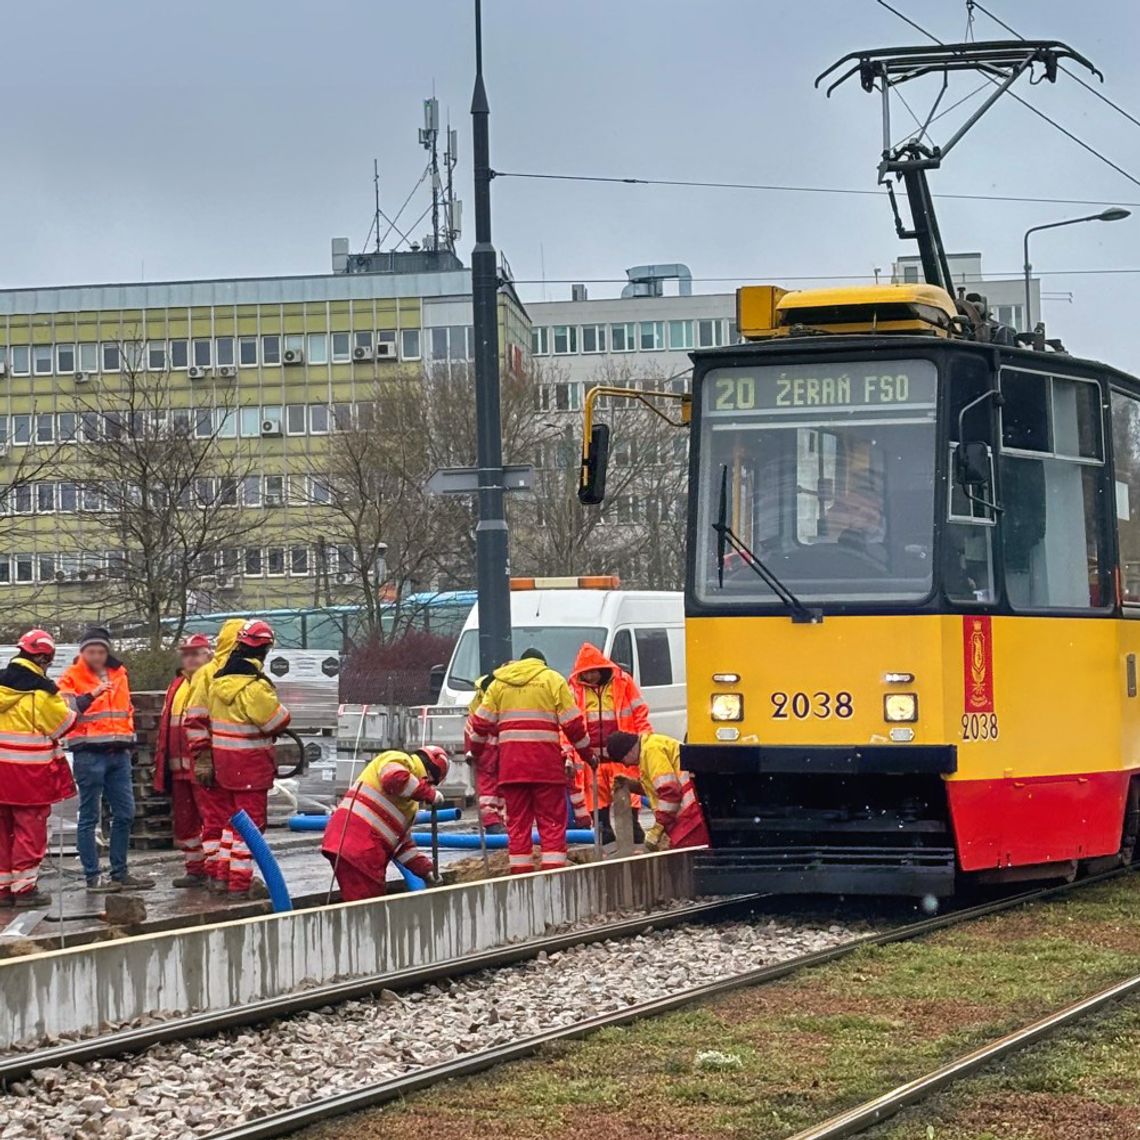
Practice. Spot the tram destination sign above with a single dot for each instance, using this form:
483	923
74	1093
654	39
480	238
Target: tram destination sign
840	387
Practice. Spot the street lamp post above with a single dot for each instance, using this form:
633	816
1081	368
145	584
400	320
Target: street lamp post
1112	214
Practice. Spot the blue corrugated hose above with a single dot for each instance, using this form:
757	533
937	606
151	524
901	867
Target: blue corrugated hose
303	822
263	857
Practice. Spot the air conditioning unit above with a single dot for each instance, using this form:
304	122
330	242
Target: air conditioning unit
3	451
195	372
386	350
227	371
343	577
362	352
225	582
293	356
271	426
83	377
3	368
274	499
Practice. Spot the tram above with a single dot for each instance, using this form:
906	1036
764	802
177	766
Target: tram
912	630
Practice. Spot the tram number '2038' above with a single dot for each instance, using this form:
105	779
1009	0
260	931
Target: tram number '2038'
979	726
803	706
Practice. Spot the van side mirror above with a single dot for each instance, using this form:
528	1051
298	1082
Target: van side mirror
972	464
435	683
592	482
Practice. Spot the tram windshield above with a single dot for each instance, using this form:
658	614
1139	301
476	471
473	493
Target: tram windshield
829	471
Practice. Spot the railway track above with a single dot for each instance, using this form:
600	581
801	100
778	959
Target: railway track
290	1120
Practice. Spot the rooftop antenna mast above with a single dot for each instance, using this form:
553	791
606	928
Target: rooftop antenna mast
429	140
376	190
453	224
880	69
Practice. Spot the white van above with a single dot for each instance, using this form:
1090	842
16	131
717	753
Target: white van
643	631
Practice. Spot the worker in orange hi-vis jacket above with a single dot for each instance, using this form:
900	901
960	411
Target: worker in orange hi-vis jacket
610	702
525	707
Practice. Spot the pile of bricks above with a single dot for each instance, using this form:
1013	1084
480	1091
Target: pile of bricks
153	826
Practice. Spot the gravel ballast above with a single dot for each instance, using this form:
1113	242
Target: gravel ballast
193	1088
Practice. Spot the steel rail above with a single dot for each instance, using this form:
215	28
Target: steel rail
119	1042
369	1096
871	1112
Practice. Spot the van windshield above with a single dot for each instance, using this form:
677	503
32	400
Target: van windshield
559	644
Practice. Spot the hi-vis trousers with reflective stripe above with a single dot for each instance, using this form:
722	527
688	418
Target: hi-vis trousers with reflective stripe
185	798
235	864
528	804
23	845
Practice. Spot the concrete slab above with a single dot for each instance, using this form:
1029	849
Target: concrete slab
222	966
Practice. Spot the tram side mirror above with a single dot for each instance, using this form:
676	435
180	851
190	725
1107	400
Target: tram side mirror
972	464
592	484
435	683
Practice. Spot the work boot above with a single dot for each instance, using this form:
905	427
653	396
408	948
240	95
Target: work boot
255	890
495	829
190	881
34	897
129	882
6	899
217	886
101	885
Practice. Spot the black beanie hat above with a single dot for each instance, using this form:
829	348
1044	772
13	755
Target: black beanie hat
96	635
620	744
532	655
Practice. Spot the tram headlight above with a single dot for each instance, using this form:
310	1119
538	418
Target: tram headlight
900	707
727	706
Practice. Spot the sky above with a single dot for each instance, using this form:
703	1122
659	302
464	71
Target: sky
157	141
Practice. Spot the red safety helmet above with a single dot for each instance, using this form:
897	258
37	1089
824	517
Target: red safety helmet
194	641
436	760
37	642
257	634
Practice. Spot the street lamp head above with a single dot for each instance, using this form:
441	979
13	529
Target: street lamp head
1114	214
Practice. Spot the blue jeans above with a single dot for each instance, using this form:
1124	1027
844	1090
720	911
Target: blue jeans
100	774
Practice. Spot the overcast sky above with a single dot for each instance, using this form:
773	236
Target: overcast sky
167	141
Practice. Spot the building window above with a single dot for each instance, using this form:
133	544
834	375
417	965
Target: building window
342	417
386	337
204	491
732	336
68	423
179	353
274	490
317	351
295	419
224	352
319	490
203	353
227	422
254	562
5	569
21	429
438	344
45	428
652	336
227	491
708	334
45	498
623	338
251	491
247	352
111	356
593	338
275	561
910	274
680	334
565	339
341	347
319	419
64	358
42	359
203	423
88	358
20	359
362	340
68	498
271	349
250	422
410	344
299	561
22	499
295	342
540	341
46	567
25	568
156	355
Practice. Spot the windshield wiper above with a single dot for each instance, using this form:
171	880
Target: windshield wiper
726	537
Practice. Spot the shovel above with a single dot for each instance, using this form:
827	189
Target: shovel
597	819
435	841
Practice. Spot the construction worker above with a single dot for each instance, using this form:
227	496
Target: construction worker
491	810
657	759
372	824
217	835
101	746
524	706
610	702
245	717
33	771
174	766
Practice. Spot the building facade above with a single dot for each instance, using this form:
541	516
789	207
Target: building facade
270	368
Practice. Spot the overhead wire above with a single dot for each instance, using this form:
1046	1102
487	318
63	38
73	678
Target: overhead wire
1006	274
1013	95
1071	74
699	184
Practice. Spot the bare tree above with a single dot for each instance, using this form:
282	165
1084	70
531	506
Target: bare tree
159	488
